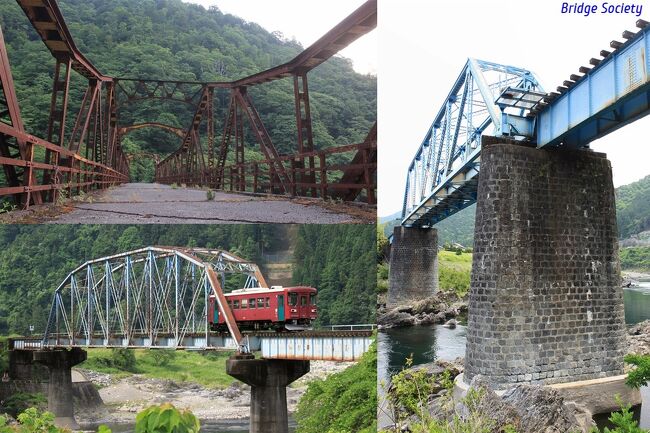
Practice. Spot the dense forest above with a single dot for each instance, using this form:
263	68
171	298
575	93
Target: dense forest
169	39
35	259
340	261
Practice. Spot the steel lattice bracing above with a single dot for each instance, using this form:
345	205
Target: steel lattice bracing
157	298
443	176
90	154
151	297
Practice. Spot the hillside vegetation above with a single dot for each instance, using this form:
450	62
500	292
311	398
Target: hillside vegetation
169	39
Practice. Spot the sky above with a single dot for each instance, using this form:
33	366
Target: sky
424	44
306	21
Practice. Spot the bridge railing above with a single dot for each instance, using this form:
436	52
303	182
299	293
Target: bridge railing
322	180
71	174
360	327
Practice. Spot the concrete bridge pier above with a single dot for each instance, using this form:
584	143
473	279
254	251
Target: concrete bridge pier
413	267
268	379
546	304
60	397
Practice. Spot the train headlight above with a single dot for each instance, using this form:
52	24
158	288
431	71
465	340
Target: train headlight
313	311
293	310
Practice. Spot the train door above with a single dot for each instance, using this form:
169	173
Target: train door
303	305
281	308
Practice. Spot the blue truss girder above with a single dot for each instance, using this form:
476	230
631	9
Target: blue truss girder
443	176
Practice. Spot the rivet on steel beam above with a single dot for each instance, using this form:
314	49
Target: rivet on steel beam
605	53
568	83
628	35
584	69
562	89
642	24
594	62
615	44
574	77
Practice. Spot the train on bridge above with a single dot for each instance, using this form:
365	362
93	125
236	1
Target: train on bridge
278	308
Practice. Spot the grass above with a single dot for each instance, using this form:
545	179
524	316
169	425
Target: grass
207	369
454	271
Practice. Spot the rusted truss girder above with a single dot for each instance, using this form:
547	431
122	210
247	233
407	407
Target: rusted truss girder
297	174
97	131
152	293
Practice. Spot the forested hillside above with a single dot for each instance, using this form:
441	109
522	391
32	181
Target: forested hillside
340	261
633	208
169	39
35	259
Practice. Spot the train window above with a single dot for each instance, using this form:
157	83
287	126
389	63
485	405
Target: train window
260	303
251	303
235	304
293	299
303	300
244	303
229	304
268	302
312	298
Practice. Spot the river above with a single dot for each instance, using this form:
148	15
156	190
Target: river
429	343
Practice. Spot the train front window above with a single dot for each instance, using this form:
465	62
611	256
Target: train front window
268	302
260	303
251	303
293	299
244	303
235	304
303	301
312	299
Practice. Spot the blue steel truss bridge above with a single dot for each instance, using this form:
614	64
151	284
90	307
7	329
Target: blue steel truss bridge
489	99
158	298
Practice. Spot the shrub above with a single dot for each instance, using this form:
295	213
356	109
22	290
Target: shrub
124	359
161	357
166	419
344	402
21	401
641	374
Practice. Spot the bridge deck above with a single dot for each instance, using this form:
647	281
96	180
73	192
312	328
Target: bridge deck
307	345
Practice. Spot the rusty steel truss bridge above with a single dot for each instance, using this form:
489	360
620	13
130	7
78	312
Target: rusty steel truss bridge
157	298
90	156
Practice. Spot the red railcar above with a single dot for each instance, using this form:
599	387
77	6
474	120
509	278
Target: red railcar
280	308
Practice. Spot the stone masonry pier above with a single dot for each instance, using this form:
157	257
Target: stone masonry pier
413	267
546	305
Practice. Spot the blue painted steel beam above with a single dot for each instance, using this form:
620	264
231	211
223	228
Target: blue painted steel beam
611	95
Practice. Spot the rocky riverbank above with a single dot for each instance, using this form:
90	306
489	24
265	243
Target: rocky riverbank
124	397
436	309
527	408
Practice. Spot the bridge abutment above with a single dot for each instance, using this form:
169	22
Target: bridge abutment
546	304
60	396
268	379
413	271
